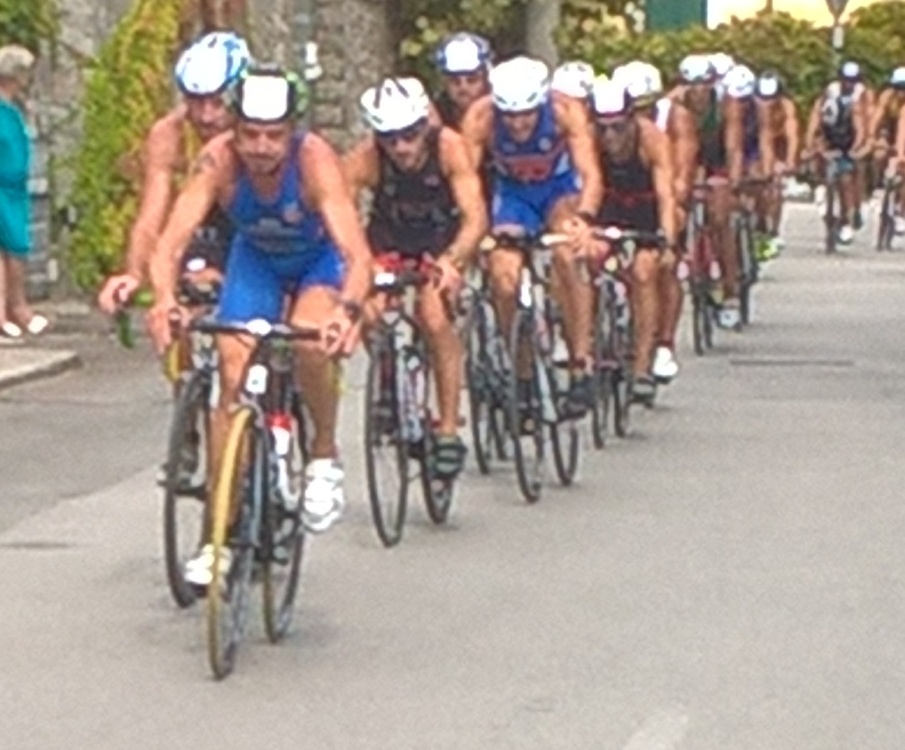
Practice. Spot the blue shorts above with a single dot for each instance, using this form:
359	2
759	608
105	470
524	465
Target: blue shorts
256	283
529	205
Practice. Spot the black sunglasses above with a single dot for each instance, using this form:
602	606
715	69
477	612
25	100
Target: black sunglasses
405	135
617	126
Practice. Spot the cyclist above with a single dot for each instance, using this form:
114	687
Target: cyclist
574	79
747	125
700	91
636	158
838	122
203	73
883	128
297	235
780	154
546	176
464	61
644	86
427	203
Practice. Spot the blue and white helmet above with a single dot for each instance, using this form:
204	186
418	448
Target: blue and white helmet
212	64
463	53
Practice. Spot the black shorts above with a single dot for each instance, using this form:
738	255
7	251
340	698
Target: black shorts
409	242
641	215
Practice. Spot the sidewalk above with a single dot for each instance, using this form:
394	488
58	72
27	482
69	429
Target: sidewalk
50	354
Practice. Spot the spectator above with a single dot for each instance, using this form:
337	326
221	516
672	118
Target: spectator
16	317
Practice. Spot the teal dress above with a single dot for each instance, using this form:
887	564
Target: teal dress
15	159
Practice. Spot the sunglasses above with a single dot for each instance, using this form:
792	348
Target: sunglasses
461	80
617	126
405	135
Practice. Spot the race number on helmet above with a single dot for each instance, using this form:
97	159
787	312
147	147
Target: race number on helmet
212	64
395	104
520	84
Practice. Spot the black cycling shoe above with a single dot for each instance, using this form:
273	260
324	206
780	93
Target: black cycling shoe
578	400
644	389
447	457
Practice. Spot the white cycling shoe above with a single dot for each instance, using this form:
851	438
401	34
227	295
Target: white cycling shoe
324	499
729	317
199	571
846	234
665	367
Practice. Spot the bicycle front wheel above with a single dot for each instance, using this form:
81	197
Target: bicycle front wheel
525	417
239	484
184	502
386	451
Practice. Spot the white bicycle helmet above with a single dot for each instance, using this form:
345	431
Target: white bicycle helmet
897	78
574	79
610	98
395	104
740	82
722	63
629	71
212	64
520	84
463	53
697	69
645	85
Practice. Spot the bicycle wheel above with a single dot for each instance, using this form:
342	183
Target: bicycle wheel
603	373
830	218
184	506
239	484
622	375
554	372
747	267
282	547
525	420
887	221
386	452
483	404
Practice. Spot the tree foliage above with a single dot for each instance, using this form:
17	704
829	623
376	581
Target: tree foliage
27	22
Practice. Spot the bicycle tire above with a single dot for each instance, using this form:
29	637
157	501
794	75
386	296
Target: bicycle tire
886	229
480	397
282	550
530	478
563	432
830	218
622	381
389	520
228	598
747	267
194	394
603	374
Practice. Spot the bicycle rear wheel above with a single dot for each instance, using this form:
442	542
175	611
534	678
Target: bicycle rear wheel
239	484
282	547
554	372
184	507
887	220
483	380
386	451
830	218
525	418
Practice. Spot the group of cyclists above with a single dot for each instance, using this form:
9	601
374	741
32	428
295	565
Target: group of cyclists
235	190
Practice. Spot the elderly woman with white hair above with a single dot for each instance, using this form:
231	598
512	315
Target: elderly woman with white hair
16	317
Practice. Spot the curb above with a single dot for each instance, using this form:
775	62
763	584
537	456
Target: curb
54	364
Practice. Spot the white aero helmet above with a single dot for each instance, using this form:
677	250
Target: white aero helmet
740	82
519	84
395	104
463	53
697	69
897	78
212	64
645	85
574	78
722	63
610	98
627	72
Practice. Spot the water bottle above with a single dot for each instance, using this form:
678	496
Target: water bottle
287	470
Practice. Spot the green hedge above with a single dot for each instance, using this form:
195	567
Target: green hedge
28	22
801	52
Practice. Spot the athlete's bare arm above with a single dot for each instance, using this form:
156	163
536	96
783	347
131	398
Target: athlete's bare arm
160	156
477	128
575	124
734	139
792	133
766	138
657	152
328	194
211	171
683	131
466	187
361	166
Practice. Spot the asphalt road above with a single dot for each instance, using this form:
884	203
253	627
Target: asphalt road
731	577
